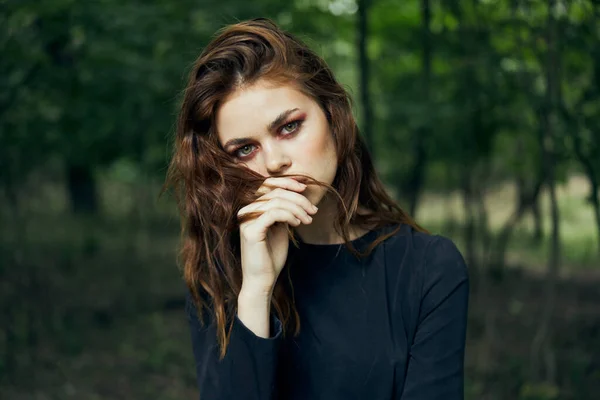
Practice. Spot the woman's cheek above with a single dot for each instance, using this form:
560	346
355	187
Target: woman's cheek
306	145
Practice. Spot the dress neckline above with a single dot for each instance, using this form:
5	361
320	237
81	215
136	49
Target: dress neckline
360	243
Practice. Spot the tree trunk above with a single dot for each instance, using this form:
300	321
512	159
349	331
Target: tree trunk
538	226
416	179
482	278
414	184
483	229
593	199
590	172
541	349
469	230
596	204
10	357
525	202
364	71
81	185
588	157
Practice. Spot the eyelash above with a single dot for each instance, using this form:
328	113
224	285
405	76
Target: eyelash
298	126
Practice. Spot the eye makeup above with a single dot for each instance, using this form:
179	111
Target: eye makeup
287	129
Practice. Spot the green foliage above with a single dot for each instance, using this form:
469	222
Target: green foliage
539	392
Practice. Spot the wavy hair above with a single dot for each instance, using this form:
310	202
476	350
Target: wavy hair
210	187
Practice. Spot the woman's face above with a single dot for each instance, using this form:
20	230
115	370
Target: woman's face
276	130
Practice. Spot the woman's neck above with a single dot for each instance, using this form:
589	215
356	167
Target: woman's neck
322	231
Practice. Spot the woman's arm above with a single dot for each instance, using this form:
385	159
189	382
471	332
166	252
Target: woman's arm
254	310
248	369
436	357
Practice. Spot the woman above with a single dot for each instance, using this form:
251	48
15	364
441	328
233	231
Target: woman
350	300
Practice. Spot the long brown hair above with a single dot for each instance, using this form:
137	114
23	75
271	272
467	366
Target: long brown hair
211	187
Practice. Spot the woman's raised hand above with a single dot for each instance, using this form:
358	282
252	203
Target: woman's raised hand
264	240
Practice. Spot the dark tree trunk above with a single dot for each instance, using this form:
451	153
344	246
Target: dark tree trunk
538	221
484	283
364	71
470	223
542	352
81	186
525	202
480	274
590	171
596	204
10	338
587	154
527	196
414	184
416	179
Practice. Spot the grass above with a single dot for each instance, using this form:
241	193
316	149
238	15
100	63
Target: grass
578	231
141	356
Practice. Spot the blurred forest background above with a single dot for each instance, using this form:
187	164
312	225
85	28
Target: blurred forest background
483	117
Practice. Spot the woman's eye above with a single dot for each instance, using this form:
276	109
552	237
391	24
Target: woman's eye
247	149
290	127
243	153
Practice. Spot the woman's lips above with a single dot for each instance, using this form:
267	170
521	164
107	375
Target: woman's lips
300	179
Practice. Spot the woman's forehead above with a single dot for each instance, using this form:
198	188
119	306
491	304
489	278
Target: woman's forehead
255	107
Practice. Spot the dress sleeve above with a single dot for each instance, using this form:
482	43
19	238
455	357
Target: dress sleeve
436	357
248	369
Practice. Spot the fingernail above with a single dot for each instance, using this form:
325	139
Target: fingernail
315	208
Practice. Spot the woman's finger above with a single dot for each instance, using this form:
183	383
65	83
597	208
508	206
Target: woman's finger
278	203
260	225
294	197
274	215
272	183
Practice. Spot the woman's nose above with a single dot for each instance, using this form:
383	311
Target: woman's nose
276	161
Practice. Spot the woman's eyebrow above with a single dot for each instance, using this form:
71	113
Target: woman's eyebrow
274	124
280	119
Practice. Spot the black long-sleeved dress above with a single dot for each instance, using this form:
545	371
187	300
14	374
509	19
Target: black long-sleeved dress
390	326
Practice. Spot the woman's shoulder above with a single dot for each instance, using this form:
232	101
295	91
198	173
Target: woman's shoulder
422	254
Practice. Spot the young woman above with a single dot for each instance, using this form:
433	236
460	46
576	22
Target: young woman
306	280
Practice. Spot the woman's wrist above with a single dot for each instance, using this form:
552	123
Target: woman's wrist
255	297
254	308
255	288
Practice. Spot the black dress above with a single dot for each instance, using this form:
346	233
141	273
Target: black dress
391	326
